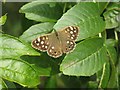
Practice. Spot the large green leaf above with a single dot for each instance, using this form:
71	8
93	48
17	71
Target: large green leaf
42	11
87	58
108	77
112	15
19	71
85	15
36	30
11	47
113	58
43	63
105	75
17	66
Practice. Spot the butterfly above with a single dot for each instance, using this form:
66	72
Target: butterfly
57	43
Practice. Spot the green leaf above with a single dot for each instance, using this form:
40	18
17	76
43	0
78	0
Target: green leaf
11	47
86	16
2	84
114	5
3	19
118	28
113	57
35	31
87	58
111	42
111	16
10	84
42	11
102	6
19	71
112	54
42	63
105	75
13	69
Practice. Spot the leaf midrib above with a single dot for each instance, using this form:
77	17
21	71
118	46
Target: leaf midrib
73	63
22	62
16	72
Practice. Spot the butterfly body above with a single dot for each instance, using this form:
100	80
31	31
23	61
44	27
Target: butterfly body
62	41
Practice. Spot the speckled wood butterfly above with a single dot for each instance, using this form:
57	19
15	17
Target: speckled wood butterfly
57	43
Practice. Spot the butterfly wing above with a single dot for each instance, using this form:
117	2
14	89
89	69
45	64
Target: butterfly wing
67	37
49	43
41	43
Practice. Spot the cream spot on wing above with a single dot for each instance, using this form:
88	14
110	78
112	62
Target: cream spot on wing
68	41
46	47
47	38
43	45
38	39
35	41
71	32
50	50
38	44
68	30
43	38
73	35
71	42
71	27
75	31
72	38
52	47
65	31
42	42
75	28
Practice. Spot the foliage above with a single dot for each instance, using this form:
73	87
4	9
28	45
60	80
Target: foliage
93	63
3	19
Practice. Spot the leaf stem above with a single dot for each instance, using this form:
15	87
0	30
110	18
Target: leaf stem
100	35
117	45
116	36
102	76
117	62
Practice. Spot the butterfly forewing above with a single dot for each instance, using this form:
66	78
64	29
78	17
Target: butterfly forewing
41	43
67	37
72	32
